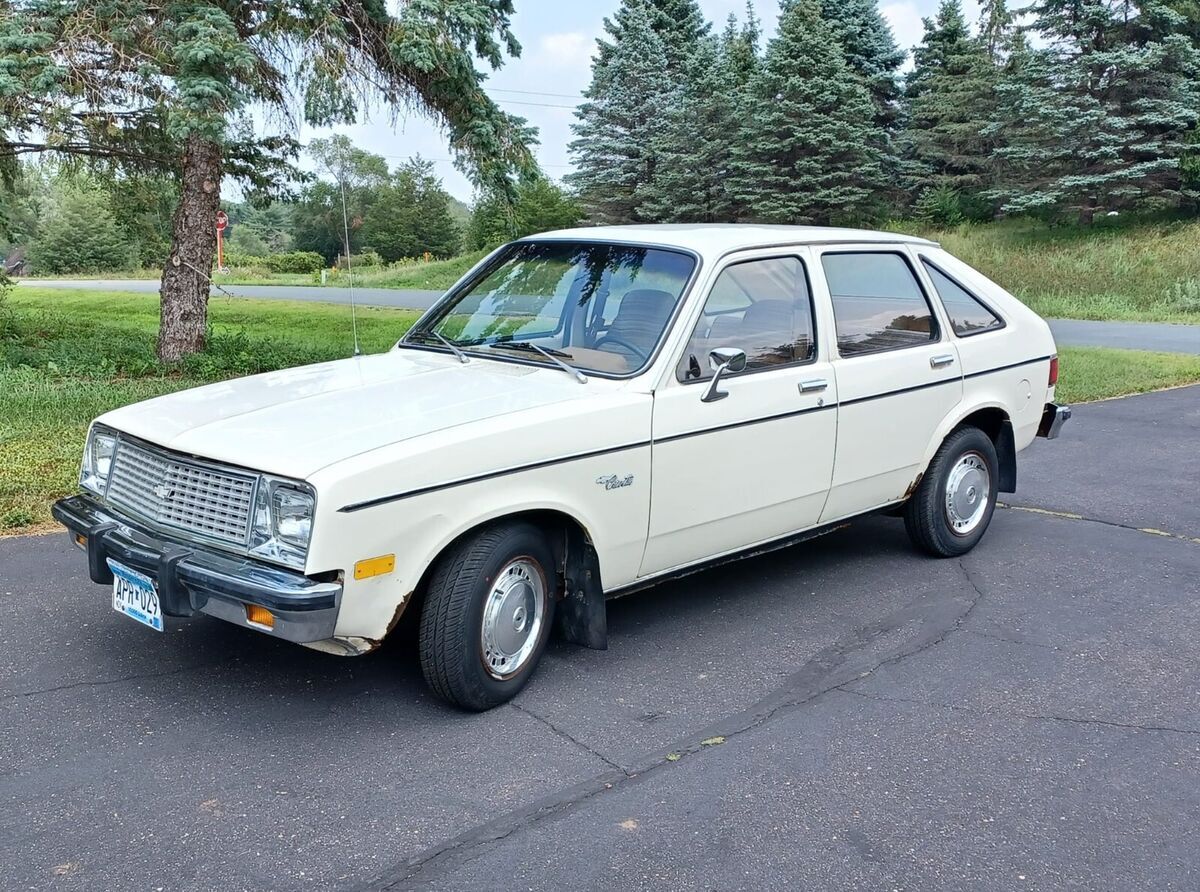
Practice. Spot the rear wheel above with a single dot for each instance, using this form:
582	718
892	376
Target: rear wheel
953	505
487	615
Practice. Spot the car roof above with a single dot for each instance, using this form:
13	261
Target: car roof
718	238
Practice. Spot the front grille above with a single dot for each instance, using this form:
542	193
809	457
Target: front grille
180	493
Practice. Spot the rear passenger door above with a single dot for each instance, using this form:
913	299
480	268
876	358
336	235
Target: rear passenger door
754	465
898	374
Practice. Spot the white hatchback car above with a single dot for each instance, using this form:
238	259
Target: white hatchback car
587	412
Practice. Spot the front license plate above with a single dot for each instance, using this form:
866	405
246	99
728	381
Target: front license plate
135	596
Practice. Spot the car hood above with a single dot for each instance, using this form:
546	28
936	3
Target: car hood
296	421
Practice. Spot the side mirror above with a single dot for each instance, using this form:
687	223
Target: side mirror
722	360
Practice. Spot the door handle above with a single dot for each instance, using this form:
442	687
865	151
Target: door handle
813	385
940	362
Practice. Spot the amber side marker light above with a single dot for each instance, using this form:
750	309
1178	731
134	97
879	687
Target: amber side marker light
81	541
260	616
375	566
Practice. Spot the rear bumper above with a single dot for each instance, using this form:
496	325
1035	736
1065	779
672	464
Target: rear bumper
193	580
1054	417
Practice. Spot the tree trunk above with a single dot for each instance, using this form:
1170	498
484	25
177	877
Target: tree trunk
1087	212
185	278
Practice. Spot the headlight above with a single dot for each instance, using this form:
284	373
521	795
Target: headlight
283	514
97	459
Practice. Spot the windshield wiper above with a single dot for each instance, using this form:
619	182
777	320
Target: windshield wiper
445	342
550	354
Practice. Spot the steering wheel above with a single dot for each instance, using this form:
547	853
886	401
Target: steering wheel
621	342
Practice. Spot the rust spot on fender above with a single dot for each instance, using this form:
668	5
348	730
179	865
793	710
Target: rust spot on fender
912	487
376	642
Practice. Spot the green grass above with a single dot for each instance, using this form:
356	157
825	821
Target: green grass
1146	272
68	356
437	275
1098	373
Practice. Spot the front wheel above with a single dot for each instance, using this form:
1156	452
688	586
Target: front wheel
952	507
487	615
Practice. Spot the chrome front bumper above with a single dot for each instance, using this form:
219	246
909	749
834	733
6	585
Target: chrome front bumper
1054	417
193	580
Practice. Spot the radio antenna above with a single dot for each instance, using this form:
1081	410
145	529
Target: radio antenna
349	270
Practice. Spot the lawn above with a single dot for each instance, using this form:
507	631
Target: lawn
68	356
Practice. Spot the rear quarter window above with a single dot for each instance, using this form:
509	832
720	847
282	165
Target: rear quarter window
968	314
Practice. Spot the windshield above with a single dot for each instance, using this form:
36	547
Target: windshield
597	307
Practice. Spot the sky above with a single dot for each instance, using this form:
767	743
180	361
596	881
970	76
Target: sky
558	39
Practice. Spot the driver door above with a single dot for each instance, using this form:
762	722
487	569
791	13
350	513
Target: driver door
755	465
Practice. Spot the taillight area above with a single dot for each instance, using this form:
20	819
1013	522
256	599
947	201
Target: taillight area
1053	370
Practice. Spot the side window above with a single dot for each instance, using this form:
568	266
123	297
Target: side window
877	303
967	313
763	307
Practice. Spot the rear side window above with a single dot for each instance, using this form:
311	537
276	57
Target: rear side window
760	306
967	313
878	303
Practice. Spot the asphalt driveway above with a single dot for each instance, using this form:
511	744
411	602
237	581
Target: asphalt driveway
843	714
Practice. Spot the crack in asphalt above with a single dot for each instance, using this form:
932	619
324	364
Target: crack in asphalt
1070	515
1033	716
832	668
567	736
1017	641
137	676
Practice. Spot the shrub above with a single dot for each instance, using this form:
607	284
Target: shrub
294	262
80	235
941	206
1184	295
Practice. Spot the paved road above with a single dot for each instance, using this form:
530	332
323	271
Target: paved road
1158	336
841	715
1070	332
367	297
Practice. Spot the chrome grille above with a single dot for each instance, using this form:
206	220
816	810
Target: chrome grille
177	492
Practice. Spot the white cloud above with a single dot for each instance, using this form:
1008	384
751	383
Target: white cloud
571	49
905	20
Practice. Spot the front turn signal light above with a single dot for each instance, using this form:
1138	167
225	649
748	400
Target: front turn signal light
260	616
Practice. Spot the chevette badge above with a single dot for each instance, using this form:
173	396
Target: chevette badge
613	481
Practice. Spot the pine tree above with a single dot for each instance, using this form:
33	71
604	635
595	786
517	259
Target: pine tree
950	100
740	46
694	145
620	118
1100	118
995	29
679	24
870	51
808	150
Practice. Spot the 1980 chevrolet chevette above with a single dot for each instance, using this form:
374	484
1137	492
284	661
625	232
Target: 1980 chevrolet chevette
585	413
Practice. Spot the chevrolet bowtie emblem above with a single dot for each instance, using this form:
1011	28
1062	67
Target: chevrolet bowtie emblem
163	491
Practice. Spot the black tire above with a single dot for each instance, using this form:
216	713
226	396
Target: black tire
926	515
451	648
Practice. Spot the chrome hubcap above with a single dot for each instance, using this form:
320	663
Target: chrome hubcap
512	618
968	490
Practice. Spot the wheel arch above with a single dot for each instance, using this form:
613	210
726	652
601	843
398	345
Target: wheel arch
994	420
580	612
